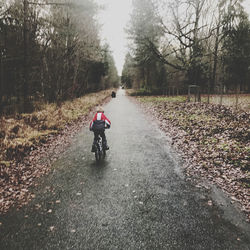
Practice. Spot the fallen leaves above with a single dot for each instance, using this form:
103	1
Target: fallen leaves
214	141
30	160
37	206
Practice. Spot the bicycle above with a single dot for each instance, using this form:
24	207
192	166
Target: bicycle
100	152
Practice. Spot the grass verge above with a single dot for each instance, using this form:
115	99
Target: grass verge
23	132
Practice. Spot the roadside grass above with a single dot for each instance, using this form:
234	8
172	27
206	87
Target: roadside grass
163	99
23	132
227	100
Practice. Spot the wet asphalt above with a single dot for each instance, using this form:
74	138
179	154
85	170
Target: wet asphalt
137	198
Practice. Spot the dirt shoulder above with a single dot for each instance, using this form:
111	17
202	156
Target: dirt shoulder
30	143
213	140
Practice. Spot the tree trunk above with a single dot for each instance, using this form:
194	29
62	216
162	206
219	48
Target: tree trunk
221	93
1	82
237	96
25	89
208	94
213	83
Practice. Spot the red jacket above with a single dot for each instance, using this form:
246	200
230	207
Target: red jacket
100	121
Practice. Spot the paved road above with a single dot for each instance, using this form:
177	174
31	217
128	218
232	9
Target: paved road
137	198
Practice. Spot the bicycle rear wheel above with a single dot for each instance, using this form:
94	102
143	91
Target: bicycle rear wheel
98	155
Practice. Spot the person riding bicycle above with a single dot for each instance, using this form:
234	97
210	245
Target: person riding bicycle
98	125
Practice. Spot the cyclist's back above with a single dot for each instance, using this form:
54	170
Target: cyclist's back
97	125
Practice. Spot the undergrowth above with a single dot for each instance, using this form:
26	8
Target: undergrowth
23	132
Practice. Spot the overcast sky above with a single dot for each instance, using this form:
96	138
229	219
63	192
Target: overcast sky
114	18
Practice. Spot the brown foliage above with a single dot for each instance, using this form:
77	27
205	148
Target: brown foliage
29	143
214	141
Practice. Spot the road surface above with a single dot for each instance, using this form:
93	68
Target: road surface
137	198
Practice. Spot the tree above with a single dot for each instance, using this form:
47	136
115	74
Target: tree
179	44
127	72
51	51
236	48
144	30
188	35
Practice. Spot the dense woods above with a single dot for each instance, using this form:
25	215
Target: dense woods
50	51
174	44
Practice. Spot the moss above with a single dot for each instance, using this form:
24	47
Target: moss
5	163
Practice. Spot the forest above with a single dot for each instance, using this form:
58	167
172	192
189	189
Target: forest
51	51
174	44
55	68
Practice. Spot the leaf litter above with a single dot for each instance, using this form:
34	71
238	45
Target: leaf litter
213	140
28	160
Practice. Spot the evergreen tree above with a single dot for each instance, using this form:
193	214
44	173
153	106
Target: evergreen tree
145	31
236	48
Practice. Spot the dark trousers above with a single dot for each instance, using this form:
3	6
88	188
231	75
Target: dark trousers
102	134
